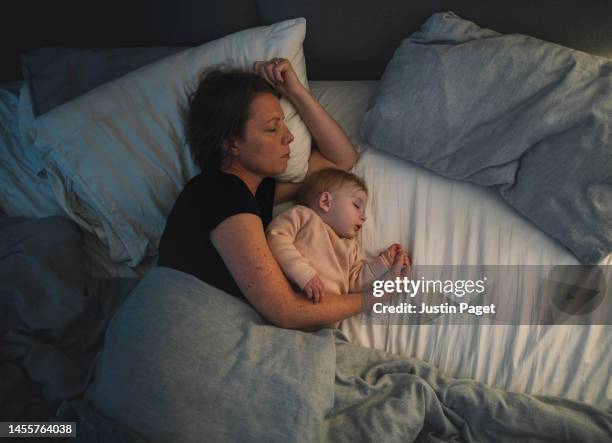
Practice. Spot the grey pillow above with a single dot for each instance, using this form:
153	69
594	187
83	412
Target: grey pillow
186	362
57	75
529	117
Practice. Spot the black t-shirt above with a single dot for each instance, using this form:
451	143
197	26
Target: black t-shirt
207	200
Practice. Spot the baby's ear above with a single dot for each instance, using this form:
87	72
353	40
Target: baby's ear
325	201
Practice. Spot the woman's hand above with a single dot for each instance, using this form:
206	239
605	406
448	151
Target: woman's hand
280	74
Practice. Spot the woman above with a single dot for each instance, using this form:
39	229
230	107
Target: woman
236	131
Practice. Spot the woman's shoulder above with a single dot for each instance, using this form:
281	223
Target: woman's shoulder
214	185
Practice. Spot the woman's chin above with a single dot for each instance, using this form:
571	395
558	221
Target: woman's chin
282	167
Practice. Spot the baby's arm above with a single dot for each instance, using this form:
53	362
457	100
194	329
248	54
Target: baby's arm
363	273
281	234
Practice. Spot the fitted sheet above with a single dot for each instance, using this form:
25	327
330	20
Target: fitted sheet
443	222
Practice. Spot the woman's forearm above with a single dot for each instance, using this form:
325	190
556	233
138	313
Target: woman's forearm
242	245
301	314
330	137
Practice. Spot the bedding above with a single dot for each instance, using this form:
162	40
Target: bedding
221	371
181	359
58	75
54	315
116	156
24	193
451	222
444	221
527	117
346	101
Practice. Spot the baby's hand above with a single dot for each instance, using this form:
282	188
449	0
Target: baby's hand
392	252
314	289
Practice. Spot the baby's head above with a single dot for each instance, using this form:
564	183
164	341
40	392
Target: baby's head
338	197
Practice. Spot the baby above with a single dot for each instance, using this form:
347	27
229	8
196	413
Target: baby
314	241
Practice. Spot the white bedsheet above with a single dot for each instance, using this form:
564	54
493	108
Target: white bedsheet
446	222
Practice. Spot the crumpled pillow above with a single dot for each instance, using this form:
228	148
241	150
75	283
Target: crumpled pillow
116	156
528	117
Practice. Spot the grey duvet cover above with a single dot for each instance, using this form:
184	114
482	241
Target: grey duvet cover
184	359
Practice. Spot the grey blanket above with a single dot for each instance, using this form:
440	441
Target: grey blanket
184	360
53	317
393	398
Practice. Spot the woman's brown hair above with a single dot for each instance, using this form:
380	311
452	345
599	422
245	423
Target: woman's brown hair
218	109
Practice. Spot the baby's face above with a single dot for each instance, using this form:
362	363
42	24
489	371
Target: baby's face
346	213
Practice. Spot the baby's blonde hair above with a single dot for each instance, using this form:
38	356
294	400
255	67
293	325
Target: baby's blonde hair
329	179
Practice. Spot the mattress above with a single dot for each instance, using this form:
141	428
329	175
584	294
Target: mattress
439	221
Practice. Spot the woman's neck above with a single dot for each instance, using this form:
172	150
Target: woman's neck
249	178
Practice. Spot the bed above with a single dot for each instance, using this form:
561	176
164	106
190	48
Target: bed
105	271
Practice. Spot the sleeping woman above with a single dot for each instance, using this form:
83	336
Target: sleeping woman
236	130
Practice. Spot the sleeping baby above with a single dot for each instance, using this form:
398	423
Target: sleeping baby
314	242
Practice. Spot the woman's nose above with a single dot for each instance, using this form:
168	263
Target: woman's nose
288	137
363	217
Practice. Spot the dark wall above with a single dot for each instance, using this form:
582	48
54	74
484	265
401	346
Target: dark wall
111	23
356	38
346	39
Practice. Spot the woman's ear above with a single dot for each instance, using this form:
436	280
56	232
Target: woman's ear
229	152
230	147
325	201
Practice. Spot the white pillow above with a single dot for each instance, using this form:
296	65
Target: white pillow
116	156
346	102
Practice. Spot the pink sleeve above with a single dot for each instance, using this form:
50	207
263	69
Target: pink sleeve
363	273
281	234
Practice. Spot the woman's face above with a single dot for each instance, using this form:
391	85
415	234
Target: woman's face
264	149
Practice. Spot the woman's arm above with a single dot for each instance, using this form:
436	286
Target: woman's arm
332	141
242	245
335	150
